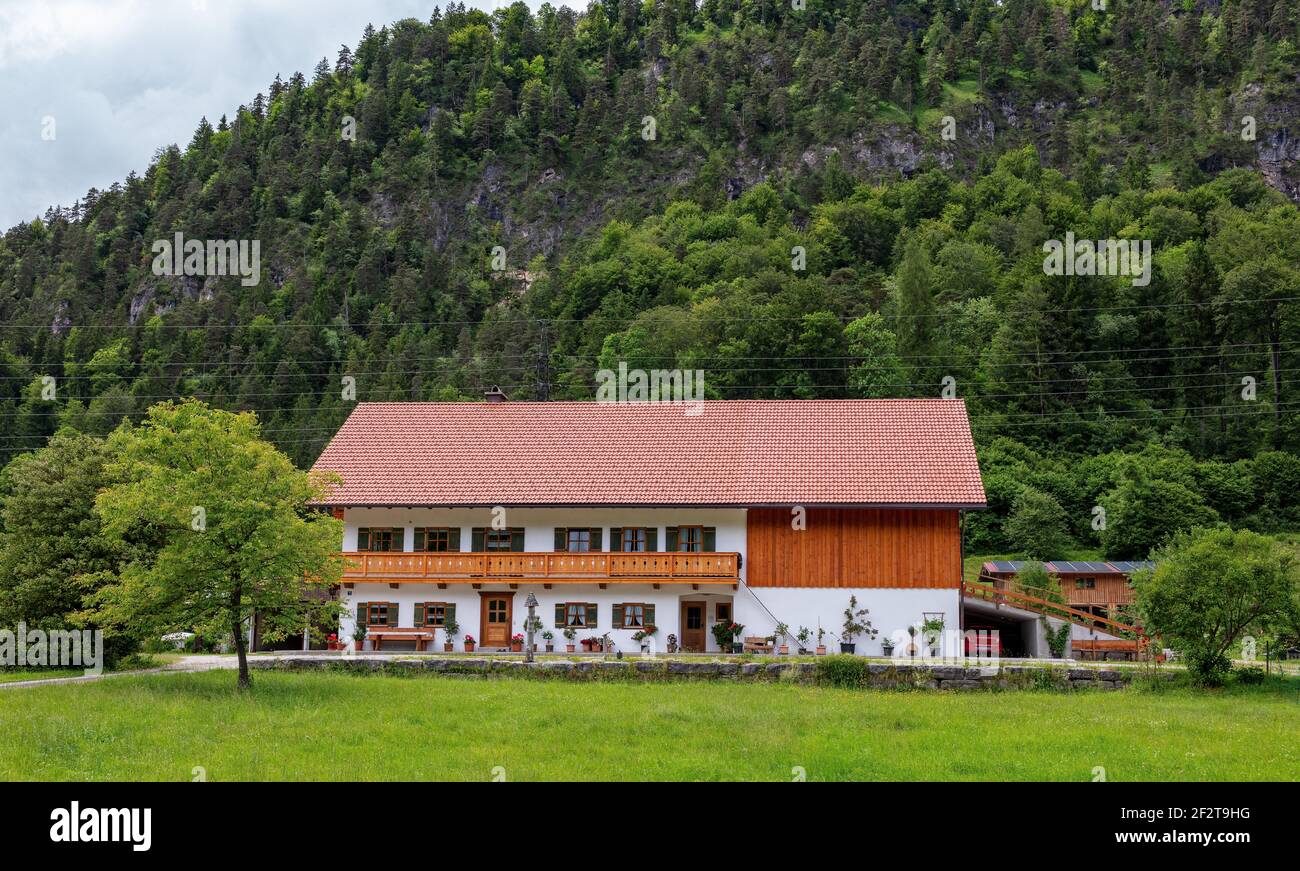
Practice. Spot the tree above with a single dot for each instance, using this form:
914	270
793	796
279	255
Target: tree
1142	513
1210	587
54	552
238	534
1037	525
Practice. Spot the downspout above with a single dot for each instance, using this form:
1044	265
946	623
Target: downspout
961	575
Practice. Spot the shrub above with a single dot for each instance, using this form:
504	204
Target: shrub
1249	675
842	670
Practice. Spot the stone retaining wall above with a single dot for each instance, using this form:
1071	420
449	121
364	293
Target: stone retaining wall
874	676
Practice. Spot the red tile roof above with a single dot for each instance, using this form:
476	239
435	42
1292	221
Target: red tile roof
742	452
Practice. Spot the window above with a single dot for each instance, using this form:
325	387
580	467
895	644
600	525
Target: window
690	539
494	540
722	612
436	539
578	539
1085	583
634	615
578	615
377	613
634	539
379	540
433	613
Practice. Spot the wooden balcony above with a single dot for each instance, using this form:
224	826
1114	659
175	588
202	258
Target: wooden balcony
576	568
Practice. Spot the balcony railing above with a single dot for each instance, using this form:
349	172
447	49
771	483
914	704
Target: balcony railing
473	567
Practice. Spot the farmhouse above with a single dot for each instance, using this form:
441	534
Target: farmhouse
619	517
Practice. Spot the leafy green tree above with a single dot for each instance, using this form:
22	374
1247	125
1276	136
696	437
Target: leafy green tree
1212	586
1037	527
238	534
1144	512
54	553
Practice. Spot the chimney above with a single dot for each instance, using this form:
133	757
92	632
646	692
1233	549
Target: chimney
494	395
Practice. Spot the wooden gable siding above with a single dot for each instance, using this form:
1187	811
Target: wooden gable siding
1110	590
854	547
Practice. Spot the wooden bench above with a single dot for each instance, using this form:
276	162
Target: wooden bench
1100	648
754	644
393	633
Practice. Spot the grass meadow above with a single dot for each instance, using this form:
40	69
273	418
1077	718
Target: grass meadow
328	726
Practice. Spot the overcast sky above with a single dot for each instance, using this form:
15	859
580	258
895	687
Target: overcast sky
121	78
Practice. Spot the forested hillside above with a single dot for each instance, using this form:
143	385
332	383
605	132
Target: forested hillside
652	172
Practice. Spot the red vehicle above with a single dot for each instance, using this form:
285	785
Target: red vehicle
986	642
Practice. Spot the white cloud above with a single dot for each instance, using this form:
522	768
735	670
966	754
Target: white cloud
122	78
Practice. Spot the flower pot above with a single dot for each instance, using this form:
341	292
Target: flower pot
568	648
448	647
785	650
848	648
821	649
469	646
516	647
888	648
550	648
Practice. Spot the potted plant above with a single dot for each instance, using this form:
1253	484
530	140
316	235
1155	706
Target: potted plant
724	634
737	638
782	632
332	641
549	637
642	637
450	628
469	643
821	643
569	634
672	643
359	636
802	637
933	631
888	646
855	624
517	642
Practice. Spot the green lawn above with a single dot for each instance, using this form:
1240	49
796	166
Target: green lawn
343	727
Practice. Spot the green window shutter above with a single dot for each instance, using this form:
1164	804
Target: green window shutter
650	615
615	539
517	540
710	539
394	614
397	539
561	539
476	542
363	613
559	616
363	538
453	539
419	613
617	621
448	614
419	539
592	615
598	540
671	539
652	538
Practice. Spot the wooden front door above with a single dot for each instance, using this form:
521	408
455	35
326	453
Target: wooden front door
495	619
693	627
